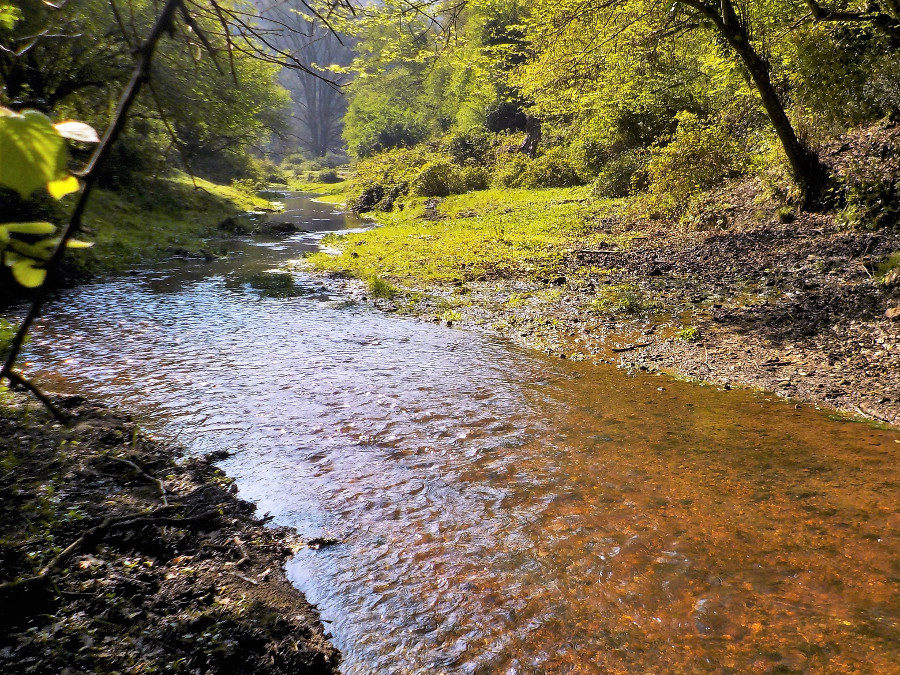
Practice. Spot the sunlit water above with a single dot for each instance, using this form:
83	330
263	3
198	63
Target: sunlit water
499	511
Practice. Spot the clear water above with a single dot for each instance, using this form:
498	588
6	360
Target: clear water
500	511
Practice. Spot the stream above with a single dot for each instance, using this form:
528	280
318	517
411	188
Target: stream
499	511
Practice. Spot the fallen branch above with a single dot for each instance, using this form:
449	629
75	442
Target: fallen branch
630	347
22	381
143	474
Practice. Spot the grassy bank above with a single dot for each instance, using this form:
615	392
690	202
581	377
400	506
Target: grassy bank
488	234
330	193
739	290
152	220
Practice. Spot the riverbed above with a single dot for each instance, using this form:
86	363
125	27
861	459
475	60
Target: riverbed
496	510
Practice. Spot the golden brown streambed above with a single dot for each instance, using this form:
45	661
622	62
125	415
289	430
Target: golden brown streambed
499	511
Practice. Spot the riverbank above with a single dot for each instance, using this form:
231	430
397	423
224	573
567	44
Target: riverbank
159	218
151	562
747	293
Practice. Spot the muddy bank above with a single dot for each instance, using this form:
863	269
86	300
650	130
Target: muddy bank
116	555
797	308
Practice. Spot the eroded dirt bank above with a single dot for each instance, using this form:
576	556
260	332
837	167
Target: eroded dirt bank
799	308
150	562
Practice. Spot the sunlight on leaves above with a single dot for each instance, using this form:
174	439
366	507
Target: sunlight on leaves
32	152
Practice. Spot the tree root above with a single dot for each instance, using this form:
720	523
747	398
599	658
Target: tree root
160	517
143	474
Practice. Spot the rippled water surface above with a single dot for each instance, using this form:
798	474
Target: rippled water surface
501	512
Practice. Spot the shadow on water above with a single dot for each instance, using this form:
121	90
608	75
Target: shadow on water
499	511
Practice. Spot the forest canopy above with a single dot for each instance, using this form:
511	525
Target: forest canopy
630	94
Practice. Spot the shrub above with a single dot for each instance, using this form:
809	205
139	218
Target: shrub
473	178
552	169
617	177
698	157
436	179
589	155
510	169
475	145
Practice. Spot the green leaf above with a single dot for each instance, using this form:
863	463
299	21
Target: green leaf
34	227
32	152
62	187
34	251
28	274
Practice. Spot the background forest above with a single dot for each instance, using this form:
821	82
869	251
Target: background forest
659	100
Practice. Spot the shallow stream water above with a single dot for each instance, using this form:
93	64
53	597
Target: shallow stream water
499	511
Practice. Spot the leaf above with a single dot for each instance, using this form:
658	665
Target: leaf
77	131
48	244
60	188
32	153
34	251
28	274
35	227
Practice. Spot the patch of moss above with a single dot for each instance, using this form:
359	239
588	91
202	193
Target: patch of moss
474	236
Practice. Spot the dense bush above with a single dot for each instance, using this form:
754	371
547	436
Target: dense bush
552	169
698	156
436	179
509	169
474	145
617	177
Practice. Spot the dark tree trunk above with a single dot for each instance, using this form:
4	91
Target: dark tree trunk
532	136
808	171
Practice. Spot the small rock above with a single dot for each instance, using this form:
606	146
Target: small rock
893	312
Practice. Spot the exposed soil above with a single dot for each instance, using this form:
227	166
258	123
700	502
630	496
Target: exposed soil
737	297
152	563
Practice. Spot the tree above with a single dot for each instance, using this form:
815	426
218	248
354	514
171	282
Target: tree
318	99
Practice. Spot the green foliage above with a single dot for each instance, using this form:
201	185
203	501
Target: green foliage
617	177
35	155
688	334
78	61
551	169
472	145
437	179
699	156
509	169
34	152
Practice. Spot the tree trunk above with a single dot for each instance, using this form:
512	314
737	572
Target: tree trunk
811	175
532	136
808	171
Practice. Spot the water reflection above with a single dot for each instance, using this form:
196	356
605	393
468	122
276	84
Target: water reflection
499	511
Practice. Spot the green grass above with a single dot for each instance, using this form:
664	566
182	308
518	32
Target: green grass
332	193
479	235
144	223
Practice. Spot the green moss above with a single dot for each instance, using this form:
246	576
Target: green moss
379	288
144	224
479	235
619	299
889	264
688	334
